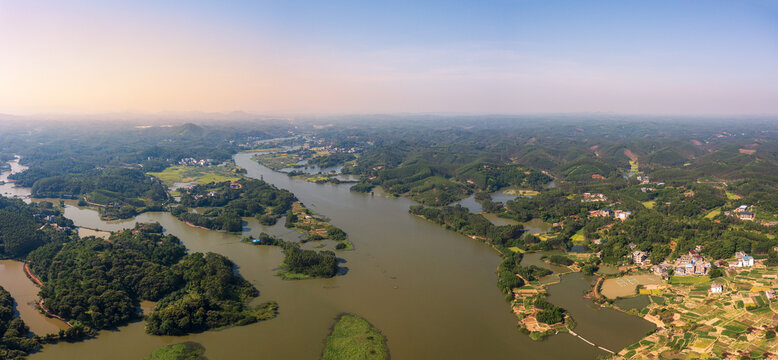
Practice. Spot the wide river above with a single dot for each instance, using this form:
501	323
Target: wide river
431	291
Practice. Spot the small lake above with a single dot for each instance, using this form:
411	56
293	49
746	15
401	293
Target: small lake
637	302
606	327
534	258
498	196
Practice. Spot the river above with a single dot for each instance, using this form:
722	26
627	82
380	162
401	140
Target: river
431	291
8	188
25	293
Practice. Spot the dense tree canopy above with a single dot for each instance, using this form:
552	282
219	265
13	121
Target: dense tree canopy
15	342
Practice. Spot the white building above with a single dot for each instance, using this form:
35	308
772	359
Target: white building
716	288
622	215
638	257
743	260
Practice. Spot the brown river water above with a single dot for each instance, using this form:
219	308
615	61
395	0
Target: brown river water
431	291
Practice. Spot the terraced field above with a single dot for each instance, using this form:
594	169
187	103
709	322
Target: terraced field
696	324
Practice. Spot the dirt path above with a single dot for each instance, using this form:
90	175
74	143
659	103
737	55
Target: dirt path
630	155
41	304
33	277
196	226
590	343
596	290
53	315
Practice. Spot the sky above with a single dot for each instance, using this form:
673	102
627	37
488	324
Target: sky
352	57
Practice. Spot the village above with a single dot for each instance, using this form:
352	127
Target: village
703	308
703	316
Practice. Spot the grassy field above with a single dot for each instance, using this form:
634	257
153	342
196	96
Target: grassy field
353	337
198	174
183	351
649	204
689	279
277	161
314	178
578	237
515	249
521	192
713	213
286	275
732	196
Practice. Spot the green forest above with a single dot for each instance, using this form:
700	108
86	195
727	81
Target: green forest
227	203
15	342
100	283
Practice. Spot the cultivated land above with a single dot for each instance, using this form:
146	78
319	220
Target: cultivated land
279	160
521	192
626	285
695	323
198	174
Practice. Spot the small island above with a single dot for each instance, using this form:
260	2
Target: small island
182	351
354	338
299	264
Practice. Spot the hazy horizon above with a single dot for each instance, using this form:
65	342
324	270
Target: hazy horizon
343	58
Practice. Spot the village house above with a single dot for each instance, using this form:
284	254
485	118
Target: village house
770	293
639	257
589	197
194	162
622	215
716	288
597	241
603	212
748	216
692	264
743	260
661	270
741	208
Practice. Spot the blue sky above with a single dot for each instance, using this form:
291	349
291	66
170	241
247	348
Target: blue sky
686	57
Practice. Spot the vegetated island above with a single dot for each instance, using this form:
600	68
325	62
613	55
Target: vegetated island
208	173
311	154
16	342
299	264
354	338
97	284
222	206
182	351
